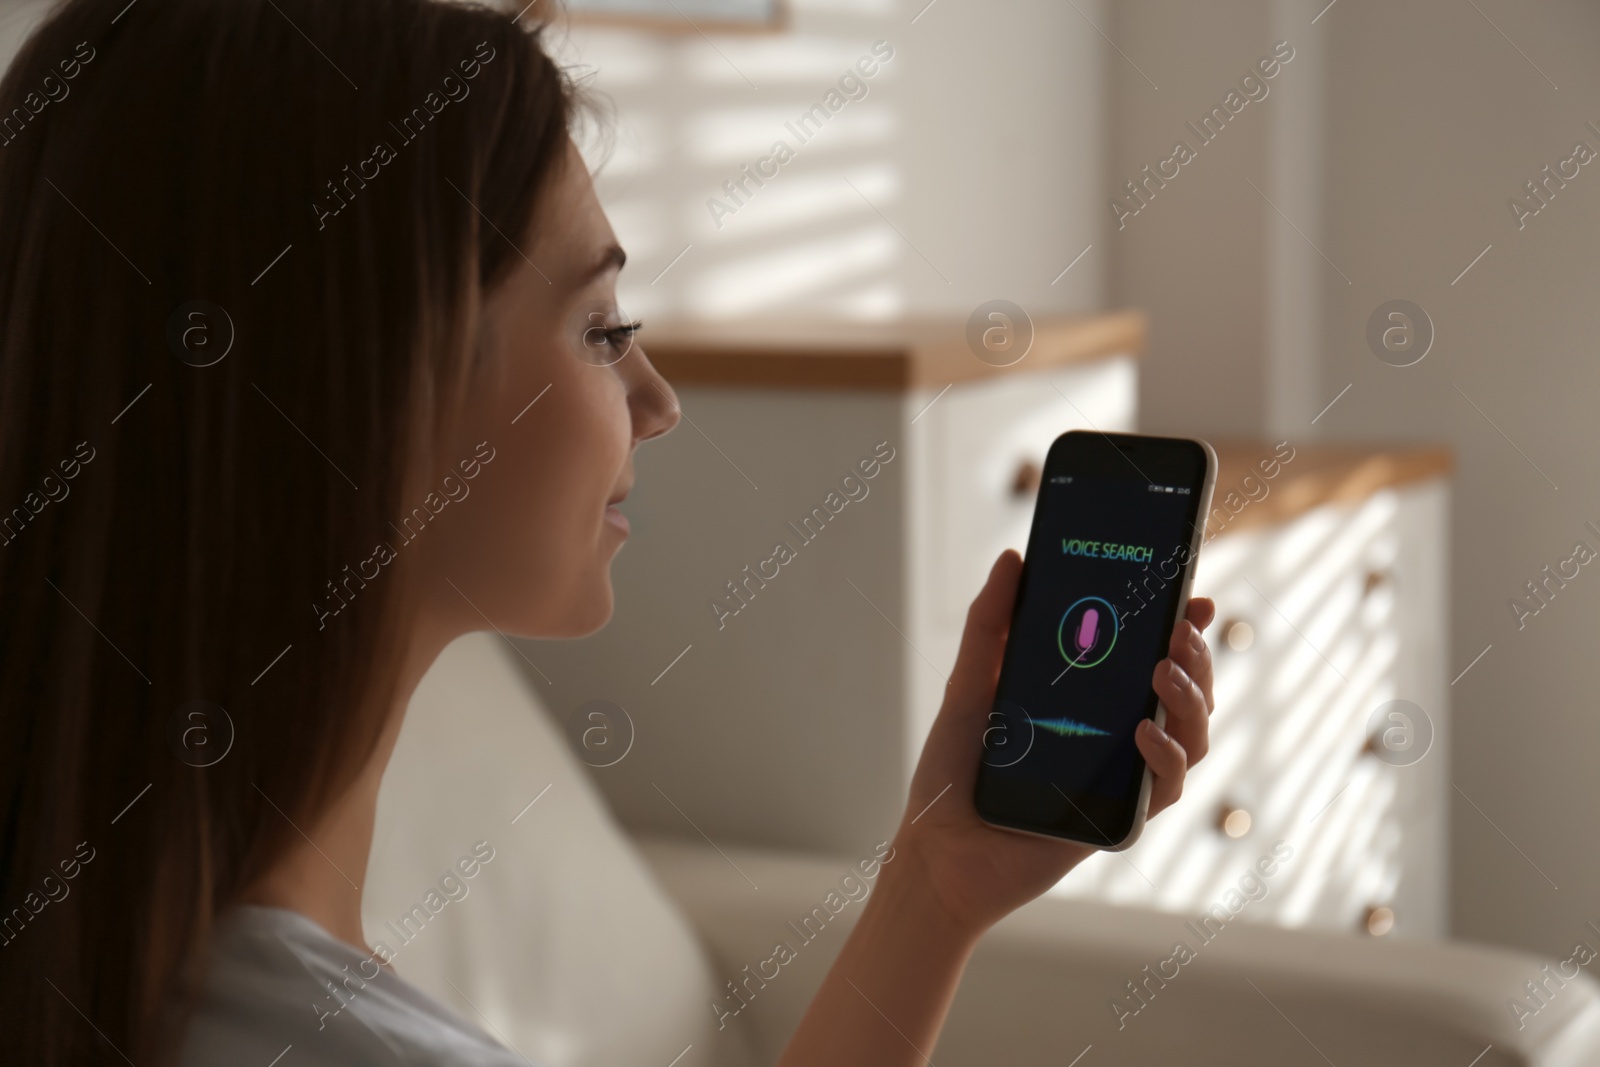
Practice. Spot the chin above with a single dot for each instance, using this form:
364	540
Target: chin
592	613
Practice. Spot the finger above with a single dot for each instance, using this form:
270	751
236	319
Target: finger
1191	652
1168	762
1202	612
1188	716
949	759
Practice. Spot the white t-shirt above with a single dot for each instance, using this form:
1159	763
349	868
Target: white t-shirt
267	1000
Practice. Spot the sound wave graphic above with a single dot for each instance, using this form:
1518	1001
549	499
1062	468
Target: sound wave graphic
1069	727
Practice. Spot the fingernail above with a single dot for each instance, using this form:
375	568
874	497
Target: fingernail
1196	642
1177	674
1157	734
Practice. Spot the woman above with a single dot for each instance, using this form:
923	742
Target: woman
311	364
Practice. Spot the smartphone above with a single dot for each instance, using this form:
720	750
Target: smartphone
1116	534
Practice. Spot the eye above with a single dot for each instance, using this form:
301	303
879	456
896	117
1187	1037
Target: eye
621	337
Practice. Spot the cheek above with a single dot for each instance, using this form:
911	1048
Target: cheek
530	545
575	448
558	472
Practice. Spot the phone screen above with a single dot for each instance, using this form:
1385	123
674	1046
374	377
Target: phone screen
1111	546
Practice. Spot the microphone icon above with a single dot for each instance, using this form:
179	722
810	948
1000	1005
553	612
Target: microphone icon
1088	628
1087	631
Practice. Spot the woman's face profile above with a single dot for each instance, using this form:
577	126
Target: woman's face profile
565	397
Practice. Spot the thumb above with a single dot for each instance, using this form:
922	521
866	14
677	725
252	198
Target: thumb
983	640
970	694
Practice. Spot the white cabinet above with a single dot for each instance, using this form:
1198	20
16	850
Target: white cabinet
1340	610
983	441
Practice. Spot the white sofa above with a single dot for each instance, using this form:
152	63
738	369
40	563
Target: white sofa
582	947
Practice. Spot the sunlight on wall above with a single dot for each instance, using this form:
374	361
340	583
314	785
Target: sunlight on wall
938	151
696	116
762	281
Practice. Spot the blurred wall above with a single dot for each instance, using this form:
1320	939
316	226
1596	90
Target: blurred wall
1430	116
1231	289
969	171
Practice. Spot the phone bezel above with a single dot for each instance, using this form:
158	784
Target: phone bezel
1091	819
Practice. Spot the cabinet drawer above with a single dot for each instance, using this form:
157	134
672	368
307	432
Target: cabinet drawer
982	437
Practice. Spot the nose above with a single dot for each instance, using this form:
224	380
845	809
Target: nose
651	398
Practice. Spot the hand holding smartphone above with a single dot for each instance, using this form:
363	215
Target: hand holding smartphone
1110	559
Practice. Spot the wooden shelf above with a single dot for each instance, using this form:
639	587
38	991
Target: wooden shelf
1317	475
900	355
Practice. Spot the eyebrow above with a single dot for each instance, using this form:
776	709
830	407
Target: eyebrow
612	257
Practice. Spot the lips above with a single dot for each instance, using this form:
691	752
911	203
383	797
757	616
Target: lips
617	518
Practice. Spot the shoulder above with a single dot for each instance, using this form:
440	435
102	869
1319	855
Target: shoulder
276	981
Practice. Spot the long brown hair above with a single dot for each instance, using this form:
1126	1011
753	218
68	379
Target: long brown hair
231	329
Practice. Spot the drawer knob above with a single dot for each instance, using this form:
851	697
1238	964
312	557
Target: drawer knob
1026	481
1375	580
1378	920
1234	822
1238	634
